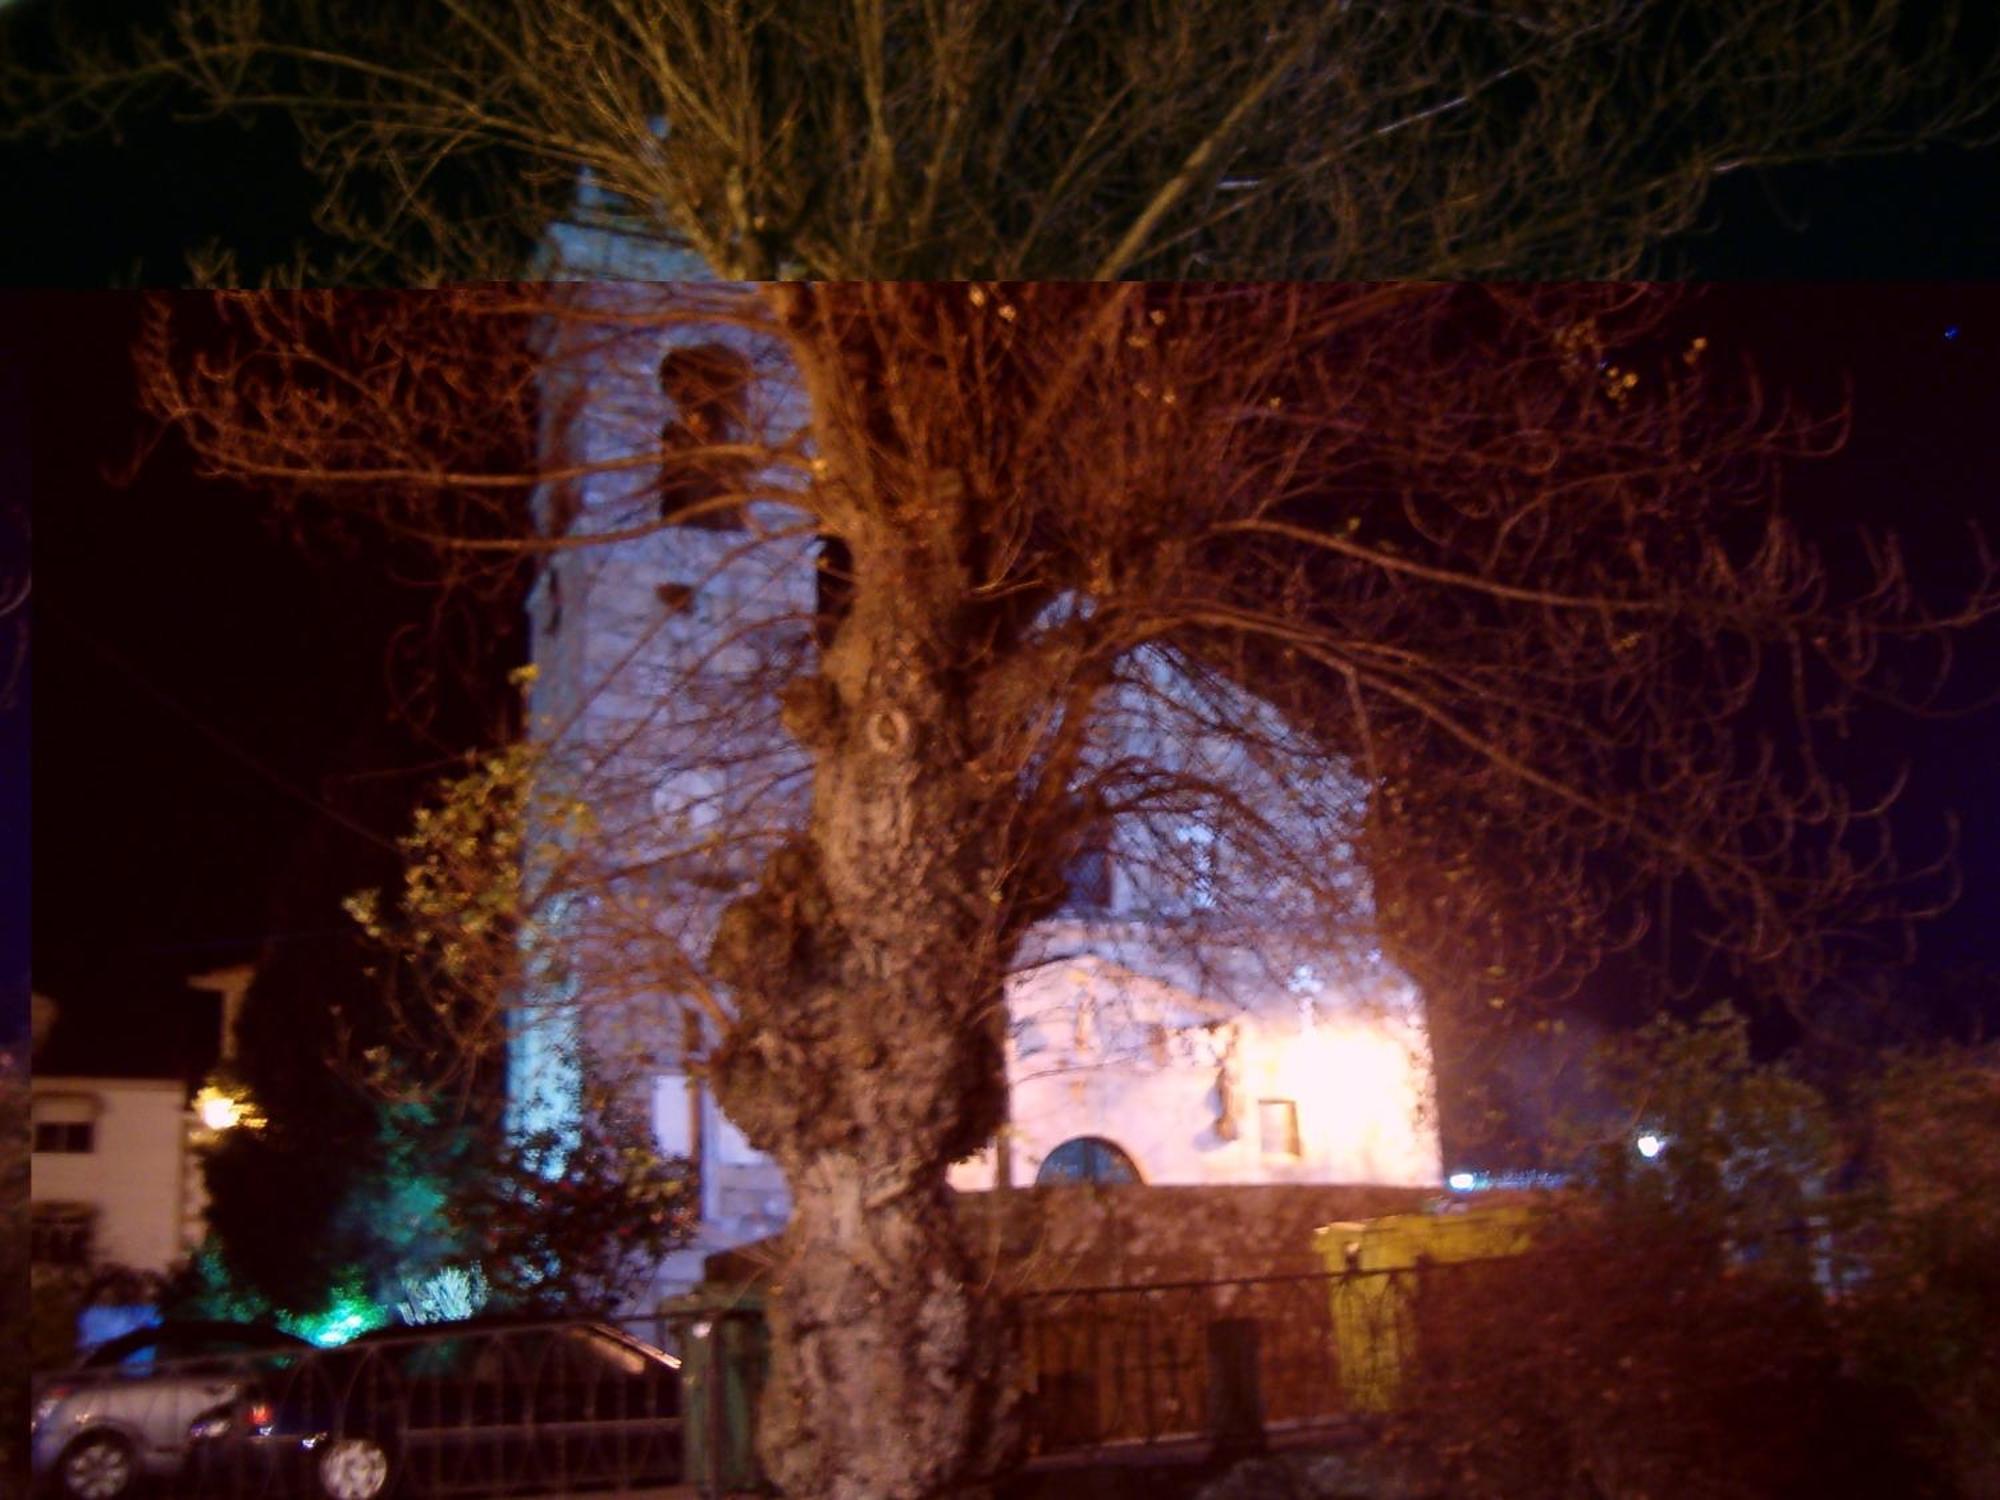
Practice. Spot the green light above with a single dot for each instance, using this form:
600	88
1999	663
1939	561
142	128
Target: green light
350	1313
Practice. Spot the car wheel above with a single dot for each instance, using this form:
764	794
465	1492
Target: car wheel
99	1467
354	1468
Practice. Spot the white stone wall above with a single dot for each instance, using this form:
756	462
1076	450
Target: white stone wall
1180	1083
138	1174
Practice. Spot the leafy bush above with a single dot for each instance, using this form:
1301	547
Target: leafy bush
1621	1357
447	1199
547	1223
422	1175
1665	1335
1922	1322
1718	1321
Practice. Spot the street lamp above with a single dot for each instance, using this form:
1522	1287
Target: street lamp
217	1110
221	1109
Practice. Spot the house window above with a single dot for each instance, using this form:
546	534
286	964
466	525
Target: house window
1087	1158
676	1115
59	1234
1278	1127
65	1137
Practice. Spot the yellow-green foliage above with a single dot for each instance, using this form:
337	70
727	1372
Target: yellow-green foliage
485	864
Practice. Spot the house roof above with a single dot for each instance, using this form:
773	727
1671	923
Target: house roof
61	1083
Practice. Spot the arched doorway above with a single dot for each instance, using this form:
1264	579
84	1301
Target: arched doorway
1087	1159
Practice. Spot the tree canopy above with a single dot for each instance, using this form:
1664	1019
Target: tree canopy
904	140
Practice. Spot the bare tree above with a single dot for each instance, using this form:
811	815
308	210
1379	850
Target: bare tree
959	138
1310	567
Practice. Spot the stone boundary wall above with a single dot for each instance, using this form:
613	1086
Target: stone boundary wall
1044	1238
1040	1238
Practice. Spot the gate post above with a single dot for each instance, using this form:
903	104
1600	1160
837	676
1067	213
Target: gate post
1235	1401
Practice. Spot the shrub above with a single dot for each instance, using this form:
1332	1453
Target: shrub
1620	1358
1664	1337
1921	1324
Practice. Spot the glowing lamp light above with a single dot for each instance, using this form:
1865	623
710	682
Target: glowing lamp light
1461	1182
217	1110
1650	1145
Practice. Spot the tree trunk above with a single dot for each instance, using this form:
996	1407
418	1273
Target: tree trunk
868	972
865	969
853	1063
893	1379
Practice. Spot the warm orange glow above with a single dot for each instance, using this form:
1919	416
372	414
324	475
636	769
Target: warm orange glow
1365	1087
219	1110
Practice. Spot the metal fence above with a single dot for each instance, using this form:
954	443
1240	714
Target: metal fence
1223	1360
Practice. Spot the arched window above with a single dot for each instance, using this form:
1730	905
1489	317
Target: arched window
1086	1158
709	385
1088	874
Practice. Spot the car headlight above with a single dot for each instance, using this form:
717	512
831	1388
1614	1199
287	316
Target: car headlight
215	1425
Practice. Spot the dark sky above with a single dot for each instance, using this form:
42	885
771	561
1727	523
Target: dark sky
128	212
219	750
1920	363
125	209
16	689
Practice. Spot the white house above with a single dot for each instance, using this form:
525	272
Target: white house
657	660
113	1181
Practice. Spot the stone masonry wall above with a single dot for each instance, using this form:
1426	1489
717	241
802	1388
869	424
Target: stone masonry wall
1033	1239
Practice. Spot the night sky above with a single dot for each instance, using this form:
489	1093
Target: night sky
215	754
222	743
127	210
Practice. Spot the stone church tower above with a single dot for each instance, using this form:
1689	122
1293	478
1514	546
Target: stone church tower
657	657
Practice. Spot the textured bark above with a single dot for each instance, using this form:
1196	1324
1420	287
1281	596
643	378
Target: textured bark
862	969
891	1379
894	1380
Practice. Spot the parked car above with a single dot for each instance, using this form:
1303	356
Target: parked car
122	1414
479	1406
